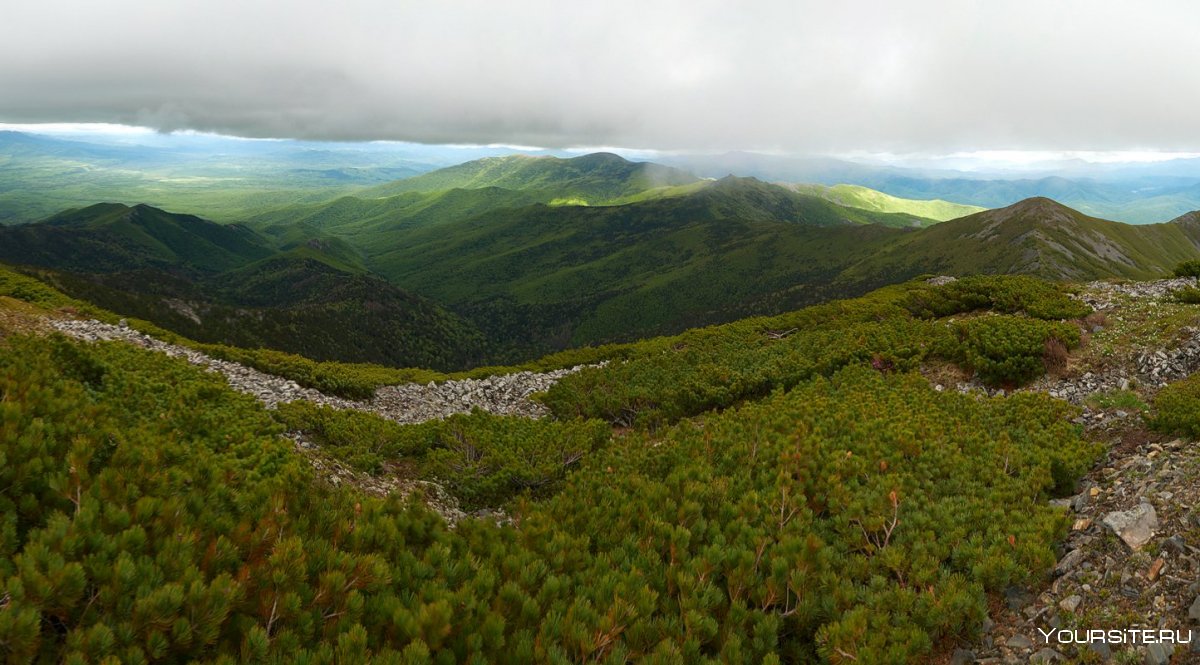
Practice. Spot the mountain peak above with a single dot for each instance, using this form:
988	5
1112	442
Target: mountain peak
599	158
1036	210
1039	204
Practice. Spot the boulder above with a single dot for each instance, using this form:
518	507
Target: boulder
1135	527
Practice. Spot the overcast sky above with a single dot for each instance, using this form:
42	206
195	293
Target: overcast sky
901	77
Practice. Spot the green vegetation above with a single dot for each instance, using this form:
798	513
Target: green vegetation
597	178
1127	400
1188	269
154	515
1188	295
855	196
483	460
1177	408
718	367
1007	294
1010	350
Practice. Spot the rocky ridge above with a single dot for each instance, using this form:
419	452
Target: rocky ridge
504	394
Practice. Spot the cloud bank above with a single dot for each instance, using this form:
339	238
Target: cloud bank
917	76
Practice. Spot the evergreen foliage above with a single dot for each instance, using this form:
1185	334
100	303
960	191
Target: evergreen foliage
1188	269
1177	407
153	515
892	329
484	460
1006	294
1009	350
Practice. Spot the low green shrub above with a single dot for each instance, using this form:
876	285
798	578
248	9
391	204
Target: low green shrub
1177	408
484	460
1010	350
1188	269
1188	295
150	513
1005	294
1117	399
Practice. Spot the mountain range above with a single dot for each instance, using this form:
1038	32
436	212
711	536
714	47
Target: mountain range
504	259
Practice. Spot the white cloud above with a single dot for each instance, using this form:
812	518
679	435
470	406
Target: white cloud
922	76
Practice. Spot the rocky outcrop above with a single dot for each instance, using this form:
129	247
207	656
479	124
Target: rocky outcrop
506	394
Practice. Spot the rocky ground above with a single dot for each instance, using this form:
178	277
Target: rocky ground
506	394
1132	558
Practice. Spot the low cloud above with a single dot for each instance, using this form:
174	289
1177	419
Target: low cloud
919	76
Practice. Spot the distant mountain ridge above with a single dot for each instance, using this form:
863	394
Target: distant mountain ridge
856	196
112	236
1040	236
593	179
512	273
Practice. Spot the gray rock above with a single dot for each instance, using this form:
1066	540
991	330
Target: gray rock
1016	597
1070	603
1101	649
1175	545
1046	655
1135	527
1159	654
962	657
1019	642
988	626
1069	562
1194	610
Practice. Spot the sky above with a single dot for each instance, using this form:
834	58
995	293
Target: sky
959	77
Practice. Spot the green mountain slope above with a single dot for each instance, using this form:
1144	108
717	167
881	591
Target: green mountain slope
348	216
574	275
855	196
290	303
592	179
112	236
299	291
1039	237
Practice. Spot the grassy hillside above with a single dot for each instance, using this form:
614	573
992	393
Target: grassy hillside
1038	237
556	276
590	179
297	292
351	217
111	236
855	196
